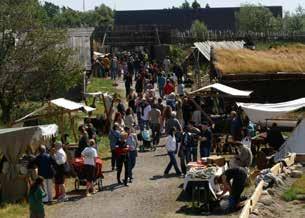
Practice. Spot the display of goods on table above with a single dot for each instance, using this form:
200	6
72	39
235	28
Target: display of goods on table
201	172
218	160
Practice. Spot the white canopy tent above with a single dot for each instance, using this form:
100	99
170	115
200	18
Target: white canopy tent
14	142
224	89
71	105
65	106
294	144
260	113
60	103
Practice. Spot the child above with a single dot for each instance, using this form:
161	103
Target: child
35	199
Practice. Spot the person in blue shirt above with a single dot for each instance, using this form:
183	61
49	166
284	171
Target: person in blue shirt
205	140
114	137
132	143
161	83
46	165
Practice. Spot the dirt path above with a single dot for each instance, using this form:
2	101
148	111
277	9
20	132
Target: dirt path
150	195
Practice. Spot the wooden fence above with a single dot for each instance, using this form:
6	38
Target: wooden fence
251	203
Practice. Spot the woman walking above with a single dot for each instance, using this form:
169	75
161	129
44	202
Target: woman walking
35	199
171	147
90	155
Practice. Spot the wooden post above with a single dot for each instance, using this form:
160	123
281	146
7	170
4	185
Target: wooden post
62	120
72	126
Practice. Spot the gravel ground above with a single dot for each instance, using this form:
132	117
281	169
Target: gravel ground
150	194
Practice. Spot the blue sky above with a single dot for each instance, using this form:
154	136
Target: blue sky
160	4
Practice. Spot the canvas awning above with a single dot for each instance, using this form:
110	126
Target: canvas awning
71	105
11	138
259	113
224	89
13	144
61	103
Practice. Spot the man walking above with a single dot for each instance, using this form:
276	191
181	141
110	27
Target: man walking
46	165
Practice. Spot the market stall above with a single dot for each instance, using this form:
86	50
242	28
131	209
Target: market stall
108	103
261	113
58	108
14	144
199	180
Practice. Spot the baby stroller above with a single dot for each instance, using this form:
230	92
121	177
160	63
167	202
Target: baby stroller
146	137
80	180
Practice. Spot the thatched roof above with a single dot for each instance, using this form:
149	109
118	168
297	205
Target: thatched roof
289	59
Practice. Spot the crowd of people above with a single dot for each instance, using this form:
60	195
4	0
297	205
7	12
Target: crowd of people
182	119
146	115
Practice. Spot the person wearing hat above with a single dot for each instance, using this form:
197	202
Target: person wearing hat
61	160
205	139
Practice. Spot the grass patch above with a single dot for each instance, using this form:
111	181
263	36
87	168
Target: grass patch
297	188
101	85
14	210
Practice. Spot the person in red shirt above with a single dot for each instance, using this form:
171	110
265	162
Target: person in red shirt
169	88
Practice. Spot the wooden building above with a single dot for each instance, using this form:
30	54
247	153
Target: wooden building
275	75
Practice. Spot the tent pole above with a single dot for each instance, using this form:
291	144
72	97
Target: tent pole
62	122
72	126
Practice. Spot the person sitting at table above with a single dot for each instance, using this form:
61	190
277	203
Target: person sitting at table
275	138
233	181
243	158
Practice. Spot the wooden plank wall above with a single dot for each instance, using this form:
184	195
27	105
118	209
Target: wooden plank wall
276	169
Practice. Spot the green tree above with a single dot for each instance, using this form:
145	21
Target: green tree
34	63
199	30
257	18
295	22
185	5
196	5
51	9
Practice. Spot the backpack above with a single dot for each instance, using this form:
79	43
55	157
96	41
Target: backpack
188	140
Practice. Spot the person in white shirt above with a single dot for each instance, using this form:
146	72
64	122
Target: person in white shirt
90	154
171	147
145	109
61	162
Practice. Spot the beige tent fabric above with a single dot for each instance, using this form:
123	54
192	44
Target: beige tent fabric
13	144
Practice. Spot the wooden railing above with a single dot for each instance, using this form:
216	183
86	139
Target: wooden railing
251	203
